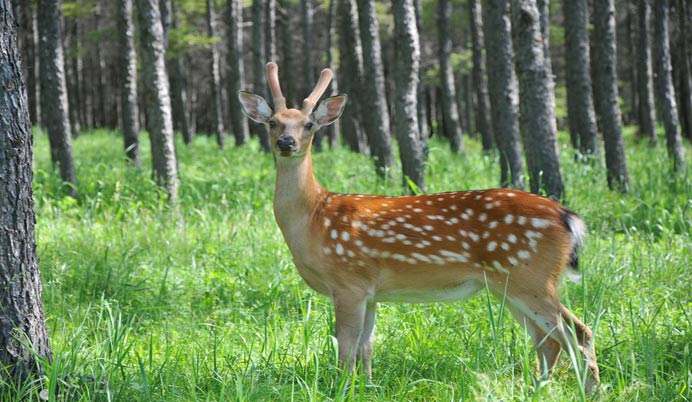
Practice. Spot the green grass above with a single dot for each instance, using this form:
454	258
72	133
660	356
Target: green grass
144	304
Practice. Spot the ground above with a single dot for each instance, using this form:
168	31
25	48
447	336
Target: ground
143	303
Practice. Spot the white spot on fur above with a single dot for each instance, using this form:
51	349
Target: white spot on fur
504	246
492	225
339	249
540	223
509	218
482	217
334	234
512	238
523	254
513	261
492	246
499	267
521	220
345	236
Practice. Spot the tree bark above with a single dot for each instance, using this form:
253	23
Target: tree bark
28	38
503	91
236	70
100	67
480	80
258	61
647	110
215	81
425	130
536	109
606	93
684	70
544	12
406	64
23	334
158	100
54	90
73	77
331	132
309	72
374	97
451	129
270	29
128	81
664	85
580	109
287	72
631	63
350	72
178	85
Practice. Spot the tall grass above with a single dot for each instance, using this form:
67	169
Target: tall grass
204	304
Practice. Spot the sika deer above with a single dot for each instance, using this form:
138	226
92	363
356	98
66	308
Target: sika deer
363	249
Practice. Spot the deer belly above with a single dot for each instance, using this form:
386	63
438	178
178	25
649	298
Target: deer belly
460	292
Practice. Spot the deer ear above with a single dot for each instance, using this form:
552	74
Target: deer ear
329	110
255	107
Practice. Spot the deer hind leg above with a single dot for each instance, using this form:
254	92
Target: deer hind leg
367	339
584	338
547	349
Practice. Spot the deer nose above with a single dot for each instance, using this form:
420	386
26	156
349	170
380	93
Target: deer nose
286	143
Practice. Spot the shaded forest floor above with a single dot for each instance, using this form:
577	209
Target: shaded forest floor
142	305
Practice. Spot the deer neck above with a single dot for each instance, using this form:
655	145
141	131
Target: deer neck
297	193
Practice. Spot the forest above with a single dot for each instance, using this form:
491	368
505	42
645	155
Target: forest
163	236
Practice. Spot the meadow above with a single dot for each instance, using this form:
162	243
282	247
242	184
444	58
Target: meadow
148	304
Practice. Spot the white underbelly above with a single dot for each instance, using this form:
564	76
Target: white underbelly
461	292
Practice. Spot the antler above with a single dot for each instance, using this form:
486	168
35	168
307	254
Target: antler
310	102
274	87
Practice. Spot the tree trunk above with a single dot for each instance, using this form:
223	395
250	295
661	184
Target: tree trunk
73	78
332	131
503	91
606	93
258	60
406	66
287	72
684	71
178	85
309	72
425	130
54	90
647	110
215	81
544	12
374	97
450	114
236	70
536	108
350	72
158	100
28	38
99	95
664	86
480	80
580	109
166	8
270	30
631	63
23	335
128	80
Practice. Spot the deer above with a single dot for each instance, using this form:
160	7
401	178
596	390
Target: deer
361	250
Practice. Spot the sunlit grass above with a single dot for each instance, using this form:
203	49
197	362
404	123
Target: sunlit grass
205	304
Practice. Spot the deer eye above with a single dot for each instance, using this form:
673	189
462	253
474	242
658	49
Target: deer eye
272	123
309	125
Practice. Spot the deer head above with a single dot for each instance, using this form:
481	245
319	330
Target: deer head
291	130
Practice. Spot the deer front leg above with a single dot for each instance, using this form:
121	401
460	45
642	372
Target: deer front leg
349	310
367	339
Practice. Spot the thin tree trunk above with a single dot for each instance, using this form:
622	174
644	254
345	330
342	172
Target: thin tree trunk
503	91
685	71
664	85
158	101
350	72
425	130
99	95
647	109
451	129
407	61
270	29
23	335
258	60
54	91
480	81
178	85
536	109
128	80
215	81
606	93
236	71
580	109
73	79
28	45
631	63
544	12
287	72
332	131
374	97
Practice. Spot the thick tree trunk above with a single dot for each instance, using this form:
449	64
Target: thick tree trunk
503	91
451	129
287	72
536	109
606	93
664	85
350	72
236	70
270	29
407	61
374	97
684	70
54	90
544	12
647	110
23	334
158	100
215	81
128	80
178	85
580	110
331	132
258	61
480	79
28	38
